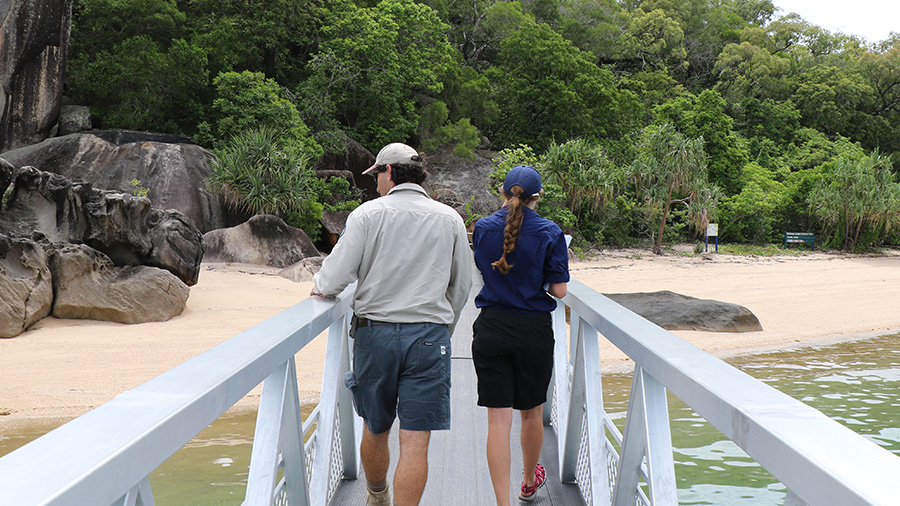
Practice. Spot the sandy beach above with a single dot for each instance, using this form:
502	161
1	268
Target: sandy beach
60	369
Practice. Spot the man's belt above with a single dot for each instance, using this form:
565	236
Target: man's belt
362	321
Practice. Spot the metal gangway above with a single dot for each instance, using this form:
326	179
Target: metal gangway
106	456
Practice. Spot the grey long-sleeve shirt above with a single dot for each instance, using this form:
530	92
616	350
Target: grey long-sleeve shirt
410	255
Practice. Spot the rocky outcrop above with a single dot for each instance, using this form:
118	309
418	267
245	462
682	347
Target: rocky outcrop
26	292
264	240
34	37
463	184
169	167
123	227
89	286
673	311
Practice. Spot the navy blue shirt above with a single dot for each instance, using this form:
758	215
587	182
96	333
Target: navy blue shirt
540	257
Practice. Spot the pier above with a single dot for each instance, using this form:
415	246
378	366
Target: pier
106	456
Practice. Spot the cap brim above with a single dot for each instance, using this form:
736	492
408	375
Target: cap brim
370	169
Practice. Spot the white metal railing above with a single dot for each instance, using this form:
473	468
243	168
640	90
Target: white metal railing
821	462
106	456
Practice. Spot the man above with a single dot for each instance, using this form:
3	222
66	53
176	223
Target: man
413	264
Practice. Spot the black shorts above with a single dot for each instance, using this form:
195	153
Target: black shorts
513	356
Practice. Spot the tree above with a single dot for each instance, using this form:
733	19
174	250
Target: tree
548	89
671	169
248	100
858	202
258	172
703	116
274	37
373	64
588	178
140	85
752	214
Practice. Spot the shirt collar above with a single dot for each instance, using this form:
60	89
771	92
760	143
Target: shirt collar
408	186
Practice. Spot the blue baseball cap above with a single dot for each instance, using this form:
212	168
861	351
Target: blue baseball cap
525	176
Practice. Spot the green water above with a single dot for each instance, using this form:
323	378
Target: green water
853	383
856	384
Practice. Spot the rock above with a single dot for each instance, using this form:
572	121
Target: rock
34	38
333	223
673	311
73	119
172	170
7	171
463	184
264	240
26	292
302	271
355	160
123	227
89	286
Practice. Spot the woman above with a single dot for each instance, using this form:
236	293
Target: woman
524	260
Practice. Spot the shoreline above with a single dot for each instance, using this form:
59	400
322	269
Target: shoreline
60	369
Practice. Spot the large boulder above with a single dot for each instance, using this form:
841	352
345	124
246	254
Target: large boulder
73	119
34	37
123	227
673	311
263	240
333	223
26	291
169	167
463	184
89	286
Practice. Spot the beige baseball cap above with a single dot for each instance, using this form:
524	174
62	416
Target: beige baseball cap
395	153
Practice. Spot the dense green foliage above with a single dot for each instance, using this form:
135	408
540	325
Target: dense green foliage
647	118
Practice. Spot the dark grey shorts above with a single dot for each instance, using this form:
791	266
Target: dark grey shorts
402	371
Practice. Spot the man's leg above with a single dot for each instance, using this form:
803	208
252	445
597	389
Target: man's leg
499	426
532	440
375	455
412	467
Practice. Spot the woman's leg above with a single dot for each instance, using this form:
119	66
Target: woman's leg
499	425
532	440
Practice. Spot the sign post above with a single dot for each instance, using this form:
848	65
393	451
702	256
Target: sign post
712	230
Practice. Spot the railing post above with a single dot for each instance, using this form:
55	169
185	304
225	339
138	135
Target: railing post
646	430
350	423
560	366
593	403
139	495
570	424
278	432
331	393
586	405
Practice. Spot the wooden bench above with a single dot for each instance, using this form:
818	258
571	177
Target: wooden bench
800	237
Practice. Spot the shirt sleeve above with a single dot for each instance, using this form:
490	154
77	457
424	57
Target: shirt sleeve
341	267
460	273
556	267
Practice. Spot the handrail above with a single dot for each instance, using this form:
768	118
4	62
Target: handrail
819	460
105	456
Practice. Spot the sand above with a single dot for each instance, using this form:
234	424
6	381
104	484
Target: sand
60	369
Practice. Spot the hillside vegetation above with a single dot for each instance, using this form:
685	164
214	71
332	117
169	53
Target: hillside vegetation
648	119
